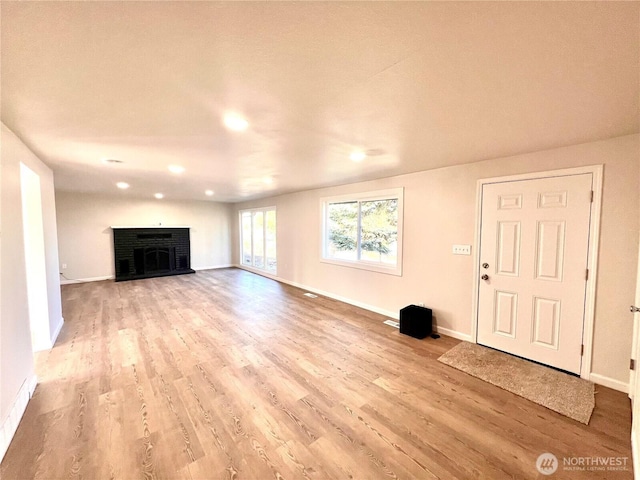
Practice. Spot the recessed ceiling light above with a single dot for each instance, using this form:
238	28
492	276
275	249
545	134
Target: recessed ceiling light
176	169
357	156
235	122
267	180
208	192
159	196
122	185
111	160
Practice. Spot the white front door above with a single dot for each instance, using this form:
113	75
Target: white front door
534	242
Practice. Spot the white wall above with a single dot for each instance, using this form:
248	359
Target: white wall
86	239
35	262
440	210
16	356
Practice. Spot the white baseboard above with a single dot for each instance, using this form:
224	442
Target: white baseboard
635	455
66	281
454	334
260	272
12	420
56	332
213	267
355	303
33	383
371	308
609	382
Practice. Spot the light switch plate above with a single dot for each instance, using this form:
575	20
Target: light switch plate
462	249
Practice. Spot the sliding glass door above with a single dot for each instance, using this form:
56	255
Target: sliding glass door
258	238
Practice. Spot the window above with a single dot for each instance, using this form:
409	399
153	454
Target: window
258	238
364	231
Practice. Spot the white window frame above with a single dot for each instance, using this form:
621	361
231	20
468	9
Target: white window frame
393	193
253	211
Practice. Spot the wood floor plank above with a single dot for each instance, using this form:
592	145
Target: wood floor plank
228	375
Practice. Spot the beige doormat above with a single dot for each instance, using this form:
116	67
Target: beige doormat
560	392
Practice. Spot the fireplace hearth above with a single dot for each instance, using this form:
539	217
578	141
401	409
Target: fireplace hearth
145	252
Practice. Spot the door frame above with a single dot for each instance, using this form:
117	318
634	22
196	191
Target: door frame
592	256
634	387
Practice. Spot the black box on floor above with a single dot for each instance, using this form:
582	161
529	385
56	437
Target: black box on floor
416	321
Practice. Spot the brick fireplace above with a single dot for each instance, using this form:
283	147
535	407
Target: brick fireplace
146	252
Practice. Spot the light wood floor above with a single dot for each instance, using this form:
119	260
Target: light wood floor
226	374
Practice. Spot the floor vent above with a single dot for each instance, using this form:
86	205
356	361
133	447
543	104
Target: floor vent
310	295
393	323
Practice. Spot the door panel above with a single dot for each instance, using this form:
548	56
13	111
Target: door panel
550	250
508	248
534	238
546	322
506	306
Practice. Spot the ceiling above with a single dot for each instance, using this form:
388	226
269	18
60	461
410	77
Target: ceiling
416	85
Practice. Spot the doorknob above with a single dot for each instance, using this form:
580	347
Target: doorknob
485	277
634	309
